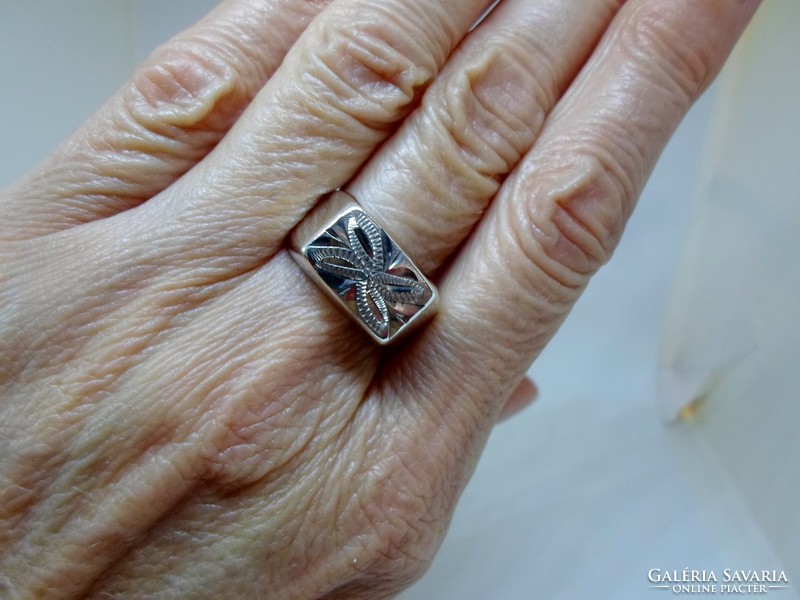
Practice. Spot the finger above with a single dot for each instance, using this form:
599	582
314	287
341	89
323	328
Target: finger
558	218
548	41
521	398
173	111
433	180
353	75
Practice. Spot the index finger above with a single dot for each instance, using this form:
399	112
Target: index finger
176	107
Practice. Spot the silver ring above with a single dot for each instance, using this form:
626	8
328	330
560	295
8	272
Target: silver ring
359	266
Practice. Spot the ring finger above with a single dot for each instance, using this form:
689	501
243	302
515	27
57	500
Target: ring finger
480	115
432	181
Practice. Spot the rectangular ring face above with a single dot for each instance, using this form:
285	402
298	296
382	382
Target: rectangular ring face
359	265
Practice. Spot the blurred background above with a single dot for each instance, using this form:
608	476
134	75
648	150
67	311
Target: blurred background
666	432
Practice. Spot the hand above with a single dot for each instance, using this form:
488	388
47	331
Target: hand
183	414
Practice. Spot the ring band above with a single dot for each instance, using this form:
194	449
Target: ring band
359	266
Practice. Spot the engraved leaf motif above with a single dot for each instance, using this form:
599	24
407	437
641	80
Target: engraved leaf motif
367	297
339	261
363	262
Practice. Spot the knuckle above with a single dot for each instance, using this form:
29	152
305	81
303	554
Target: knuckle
188	83
489	113
370	67
573	219
677	60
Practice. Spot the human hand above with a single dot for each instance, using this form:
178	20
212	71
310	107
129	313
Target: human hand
183	414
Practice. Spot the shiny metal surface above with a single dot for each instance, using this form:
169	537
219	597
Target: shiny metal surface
357	263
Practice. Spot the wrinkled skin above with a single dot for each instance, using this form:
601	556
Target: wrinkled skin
182	413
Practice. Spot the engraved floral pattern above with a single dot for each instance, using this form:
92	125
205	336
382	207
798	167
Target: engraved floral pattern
359	259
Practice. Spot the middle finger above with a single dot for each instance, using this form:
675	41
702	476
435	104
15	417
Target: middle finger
353	75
